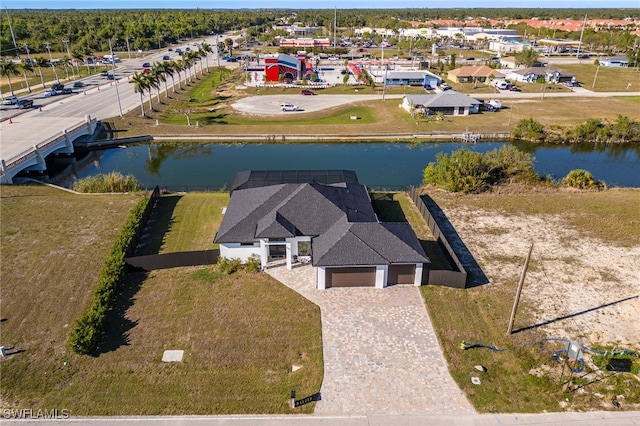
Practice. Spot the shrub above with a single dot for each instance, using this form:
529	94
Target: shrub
581	179
110	182
253	264
89	328
529	129
229	266
468	171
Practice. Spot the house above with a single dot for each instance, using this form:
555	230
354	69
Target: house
411	78
318	217
447	103
469	74
558	76
614	61
527	75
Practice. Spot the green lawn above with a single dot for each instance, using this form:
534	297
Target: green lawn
241	333
605	79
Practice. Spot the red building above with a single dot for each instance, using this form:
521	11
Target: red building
288	66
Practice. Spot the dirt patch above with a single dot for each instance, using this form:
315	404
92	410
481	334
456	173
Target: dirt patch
576	287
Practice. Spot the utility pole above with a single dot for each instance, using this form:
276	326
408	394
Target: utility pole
595	77
518	291
128	47
13	37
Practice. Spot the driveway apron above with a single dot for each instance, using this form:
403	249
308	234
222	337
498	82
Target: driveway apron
381	354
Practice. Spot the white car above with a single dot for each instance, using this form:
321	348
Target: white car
289	107
50	92
11	100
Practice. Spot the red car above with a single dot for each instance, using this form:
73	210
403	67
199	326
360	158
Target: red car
307	92
146	70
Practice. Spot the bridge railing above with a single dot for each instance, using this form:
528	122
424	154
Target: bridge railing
31	152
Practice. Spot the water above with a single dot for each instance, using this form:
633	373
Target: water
379	165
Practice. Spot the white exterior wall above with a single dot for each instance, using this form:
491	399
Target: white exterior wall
417	279
322	278
382	275
237	251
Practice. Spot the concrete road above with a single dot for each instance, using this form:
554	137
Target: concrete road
600	418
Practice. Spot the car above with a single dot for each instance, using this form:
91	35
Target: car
188	49
166	58
24	103
58	86
50	92
445	86
146	70
104	73
66	91
11	100
111	77
146	65
289	107
178	50
78	84
471	59
514	89
306	92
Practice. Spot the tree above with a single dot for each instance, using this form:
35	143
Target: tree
527	57
41	62
139	82
206	48
529	129
170	69
7	69
26	66
161	69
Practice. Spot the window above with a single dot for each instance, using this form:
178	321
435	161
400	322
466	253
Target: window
304	248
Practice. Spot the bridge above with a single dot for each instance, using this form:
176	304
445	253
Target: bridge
22	131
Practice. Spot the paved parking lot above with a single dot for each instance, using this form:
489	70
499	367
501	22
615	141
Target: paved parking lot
381	355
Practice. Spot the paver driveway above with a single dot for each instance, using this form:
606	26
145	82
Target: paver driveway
381	354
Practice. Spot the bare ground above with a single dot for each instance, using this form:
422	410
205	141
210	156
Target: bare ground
576	287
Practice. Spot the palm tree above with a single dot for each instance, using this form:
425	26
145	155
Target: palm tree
41	62
206	48
188	62
139	82
158	76
179	66
7	69
160	68
26	66
152	83
170	70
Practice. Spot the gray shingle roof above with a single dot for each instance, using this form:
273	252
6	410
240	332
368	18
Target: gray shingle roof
340	217
447	99
367	243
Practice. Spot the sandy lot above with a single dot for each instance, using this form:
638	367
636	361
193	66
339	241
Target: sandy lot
575	287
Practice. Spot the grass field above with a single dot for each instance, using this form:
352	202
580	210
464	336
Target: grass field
241	333
605	79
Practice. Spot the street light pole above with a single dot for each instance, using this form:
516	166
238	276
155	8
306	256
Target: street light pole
66	42
115	80
48	46
128	48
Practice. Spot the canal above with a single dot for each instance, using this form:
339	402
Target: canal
198	166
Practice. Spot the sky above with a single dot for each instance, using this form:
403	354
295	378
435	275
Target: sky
302	4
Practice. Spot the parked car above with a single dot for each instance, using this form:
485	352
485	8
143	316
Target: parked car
514	89
50	92
289	107
24	103
78	84
306	92
11	100
58	86
445	86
